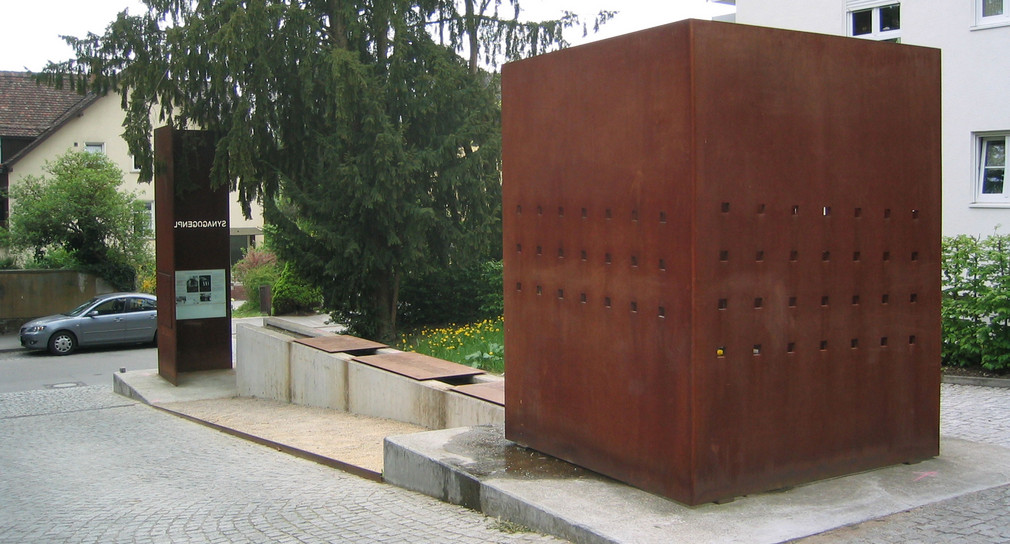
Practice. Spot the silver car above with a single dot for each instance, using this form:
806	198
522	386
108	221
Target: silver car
115	318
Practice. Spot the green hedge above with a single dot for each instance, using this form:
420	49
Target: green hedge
976	302
258	267
453	295
291	294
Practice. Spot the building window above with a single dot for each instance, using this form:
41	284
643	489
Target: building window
992	166
95	147
136	163
991	13
875	20
992	8
143	218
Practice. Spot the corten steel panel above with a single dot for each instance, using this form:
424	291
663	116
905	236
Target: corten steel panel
183	192
722	249
419	366
341	343
164	244
493	392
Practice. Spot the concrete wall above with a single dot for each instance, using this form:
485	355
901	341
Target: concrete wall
976	75
27	294
266	356
318	378
270	365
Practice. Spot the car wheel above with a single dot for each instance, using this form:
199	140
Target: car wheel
62	343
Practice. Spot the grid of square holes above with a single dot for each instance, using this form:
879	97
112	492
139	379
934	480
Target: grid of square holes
759	302
883	300
605	258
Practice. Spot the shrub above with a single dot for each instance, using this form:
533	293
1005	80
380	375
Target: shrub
115	269
292	294
492	300
147	277
253	259
147	283
976	302
55	259
257	268
452	295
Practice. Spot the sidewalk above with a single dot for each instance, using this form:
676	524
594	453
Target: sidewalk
585	507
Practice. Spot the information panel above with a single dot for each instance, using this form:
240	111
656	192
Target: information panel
200	294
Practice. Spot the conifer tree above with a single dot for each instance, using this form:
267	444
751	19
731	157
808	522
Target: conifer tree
372	145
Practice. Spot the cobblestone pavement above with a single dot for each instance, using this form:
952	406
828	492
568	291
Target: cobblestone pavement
87	465
979	414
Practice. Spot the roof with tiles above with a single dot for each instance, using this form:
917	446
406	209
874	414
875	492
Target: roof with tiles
27	109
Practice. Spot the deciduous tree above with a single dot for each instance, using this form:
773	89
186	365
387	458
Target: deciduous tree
78	211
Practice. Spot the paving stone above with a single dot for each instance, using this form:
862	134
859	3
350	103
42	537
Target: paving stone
85	465
979	414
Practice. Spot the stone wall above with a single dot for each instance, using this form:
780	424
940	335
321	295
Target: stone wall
27	294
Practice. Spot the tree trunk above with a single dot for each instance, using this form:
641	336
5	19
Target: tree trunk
386	299
471	32
337	28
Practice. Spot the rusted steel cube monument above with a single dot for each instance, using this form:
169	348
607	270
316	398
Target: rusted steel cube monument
722	257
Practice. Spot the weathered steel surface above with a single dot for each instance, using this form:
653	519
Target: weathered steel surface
341	343
722	249
419	366
164	220
493	392
183	192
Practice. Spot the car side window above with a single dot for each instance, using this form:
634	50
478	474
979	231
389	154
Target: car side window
141	305
109	307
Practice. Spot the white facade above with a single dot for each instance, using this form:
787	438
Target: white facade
974	39
98	128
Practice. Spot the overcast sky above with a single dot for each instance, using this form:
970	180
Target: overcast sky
32	28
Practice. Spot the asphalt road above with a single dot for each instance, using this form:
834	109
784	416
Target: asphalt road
23	370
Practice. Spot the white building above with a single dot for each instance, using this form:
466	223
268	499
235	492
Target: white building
974	39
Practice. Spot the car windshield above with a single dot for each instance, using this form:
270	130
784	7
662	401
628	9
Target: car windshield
80	309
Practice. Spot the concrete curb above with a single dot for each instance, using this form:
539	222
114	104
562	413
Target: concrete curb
409	464
976	381
477	466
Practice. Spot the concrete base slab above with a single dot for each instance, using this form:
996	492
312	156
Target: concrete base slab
149	387
477	467
350	442
337	439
